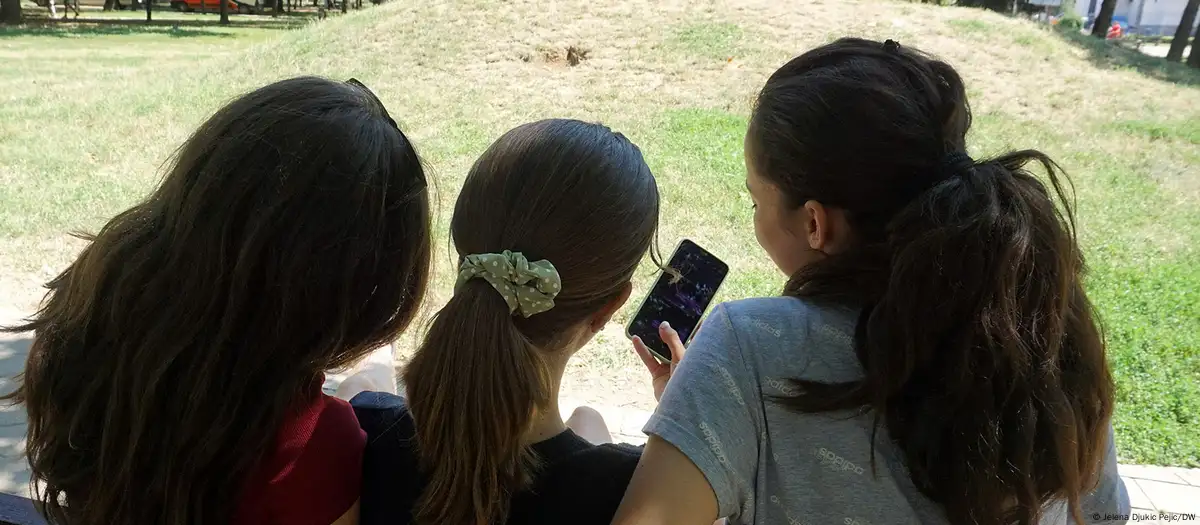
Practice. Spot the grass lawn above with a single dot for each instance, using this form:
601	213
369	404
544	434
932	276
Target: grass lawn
89	117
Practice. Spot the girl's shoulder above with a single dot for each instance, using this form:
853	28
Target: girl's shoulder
328	423
757	307
579	482
312	473
392	480
791	336
381	414
784	318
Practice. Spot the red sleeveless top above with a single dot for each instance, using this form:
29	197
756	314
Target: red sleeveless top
313	475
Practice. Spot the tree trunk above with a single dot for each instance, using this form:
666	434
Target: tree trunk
345	6
108	4
1194	56
1181	33
148	4
224	12
277	8
10	12
1104	19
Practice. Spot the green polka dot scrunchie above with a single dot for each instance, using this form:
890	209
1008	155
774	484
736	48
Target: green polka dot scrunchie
527	287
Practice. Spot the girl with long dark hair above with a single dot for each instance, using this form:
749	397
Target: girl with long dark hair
175	377
933	358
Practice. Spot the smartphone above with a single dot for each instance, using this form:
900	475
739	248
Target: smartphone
680	296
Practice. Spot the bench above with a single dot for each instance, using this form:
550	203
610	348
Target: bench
16	510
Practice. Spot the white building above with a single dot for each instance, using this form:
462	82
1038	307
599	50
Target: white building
1144	17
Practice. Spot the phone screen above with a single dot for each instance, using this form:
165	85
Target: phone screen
680	297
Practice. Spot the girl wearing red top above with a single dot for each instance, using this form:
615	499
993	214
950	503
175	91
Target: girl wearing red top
175	376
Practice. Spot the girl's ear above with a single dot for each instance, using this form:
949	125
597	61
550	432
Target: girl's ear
825	228
816	228
602	317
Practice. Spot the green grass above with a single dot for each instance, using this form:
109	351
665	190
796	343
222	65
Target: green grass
90	115
707	39
1182	130
702	148
60	167
970	25
1114	56
1150	317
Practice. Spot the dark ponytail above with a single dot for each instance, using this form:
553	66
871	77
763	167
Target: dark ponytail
473	387
980	351
577	195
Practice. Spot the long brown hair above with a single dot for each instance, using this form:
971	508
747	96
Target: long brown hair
575	194
980	350
291	235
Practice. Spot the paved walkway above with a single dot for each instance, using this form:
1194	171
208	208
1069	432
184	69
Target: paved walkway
14	471
1158	490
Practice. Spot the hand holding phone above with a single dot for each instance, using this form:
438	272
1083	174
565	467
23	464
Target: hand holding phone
660	373
679	298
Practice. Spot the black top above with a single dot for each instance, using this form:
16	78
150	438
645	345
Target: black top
579	483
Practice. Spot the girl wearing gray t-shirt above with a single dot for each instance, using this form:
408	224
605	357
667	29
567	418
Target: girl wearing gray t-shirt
933	358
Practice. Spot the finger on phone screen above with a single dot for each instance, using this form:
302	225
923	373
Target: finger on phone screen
671	338
644	353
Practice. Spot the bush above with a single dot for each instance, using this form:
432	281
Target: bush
1071	21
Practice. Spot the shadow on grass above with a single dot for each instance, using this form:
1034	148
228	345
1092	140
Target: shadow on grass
75	30
171	28
1111	56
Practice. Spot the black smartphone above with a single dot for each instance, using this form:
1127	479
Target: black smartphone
680	296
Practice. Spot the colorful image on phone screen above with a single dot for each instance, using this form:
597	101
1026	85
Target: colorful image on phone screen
679	297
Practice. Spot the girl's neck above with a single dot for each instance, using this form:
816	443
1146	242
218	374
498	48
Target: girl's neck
549	423
546	424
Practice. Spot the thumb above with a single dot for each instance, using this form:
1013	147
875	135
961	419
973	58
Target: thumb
673	342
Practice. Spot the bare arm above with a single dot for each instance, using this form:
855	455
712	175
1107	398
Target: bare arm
350	517
375	373
667	489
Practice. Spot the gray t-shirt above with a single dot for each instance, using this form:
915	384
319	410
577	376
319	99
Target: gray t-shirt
769	465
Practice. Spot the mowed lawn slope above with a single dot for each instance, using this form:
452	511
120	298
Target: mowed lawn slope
87	122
